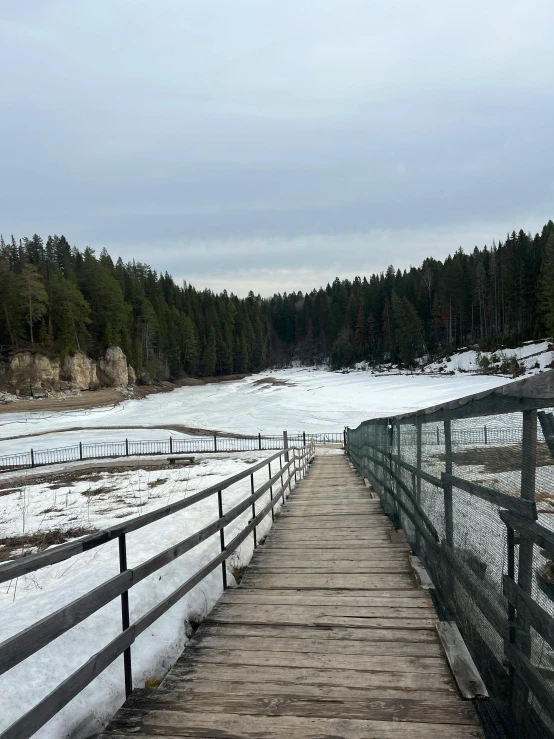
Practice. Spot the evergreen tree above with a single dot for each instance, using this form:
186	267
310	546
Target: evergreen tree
36	297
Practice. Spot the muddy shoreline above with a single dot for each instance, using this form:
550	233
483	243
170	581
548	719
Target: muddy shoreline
108	396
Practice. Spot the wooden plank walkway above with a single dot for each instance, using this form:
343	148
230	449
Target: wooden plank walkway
326	637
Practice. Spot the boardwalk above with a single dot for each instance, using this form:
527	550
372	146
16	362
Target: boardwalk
326	637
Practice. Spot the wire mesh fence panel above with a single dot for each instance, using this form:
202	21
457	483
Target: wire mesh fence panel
474	494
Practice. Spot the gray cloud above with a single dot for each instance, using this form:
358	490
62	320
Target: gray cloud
237	142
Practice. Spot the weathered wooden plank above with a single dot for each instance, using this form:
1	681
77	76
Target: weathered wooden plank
347	568
234	726
270	554
423	609
421	574
376	663
340	582
402	598
425	632
323	647
463	667
399	707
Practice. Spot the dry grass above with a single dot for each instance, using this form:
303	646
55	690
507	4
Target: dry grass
14	547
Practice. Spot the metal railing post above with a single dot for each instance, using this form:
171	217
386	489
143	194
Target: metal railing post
222	539
287	457
304	438
271	494
171	444
126	447
260	442
215	443
81	450
253	510
32	458
125	619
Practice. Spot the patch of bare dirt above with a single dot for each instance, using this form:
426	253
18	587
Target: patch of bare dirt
496	459
274	382
108	395
15	547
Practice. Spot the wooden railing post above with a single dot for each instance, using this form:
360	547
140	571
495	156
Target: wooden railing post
417	480
448	509
520	691
125	619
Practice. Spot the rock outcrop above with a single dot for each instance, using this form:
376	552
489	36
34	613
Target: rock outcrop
80	371
112	370
25	372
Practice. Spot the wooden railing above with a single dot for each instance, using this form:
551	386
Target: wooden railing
288	465
474	518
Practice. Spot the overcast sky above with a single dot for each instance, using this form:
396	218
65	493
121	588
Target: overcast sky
273	144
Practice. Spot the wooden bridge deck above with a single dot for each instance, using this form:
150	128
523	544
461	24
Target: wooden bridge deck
326	637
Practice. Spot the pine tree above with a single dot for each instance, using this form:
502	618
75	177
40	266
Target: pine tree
546	285
36	297
209	355
360	333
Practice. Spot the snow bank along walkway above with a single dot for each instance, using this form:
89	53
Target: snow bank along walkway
327	636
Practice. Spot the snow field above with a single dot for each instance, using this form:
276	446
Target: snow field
38	594
311	400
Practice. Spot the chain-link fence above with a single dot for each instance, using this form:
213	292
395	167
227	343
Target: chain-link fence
480	515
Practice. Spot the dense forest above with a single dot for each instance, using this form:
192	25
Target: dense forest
60	299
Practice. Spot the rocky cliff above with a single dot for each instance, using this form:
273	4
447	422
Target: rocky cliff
23	372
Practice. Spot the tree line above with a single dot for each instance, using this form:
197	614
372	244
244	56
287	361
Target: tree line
58	298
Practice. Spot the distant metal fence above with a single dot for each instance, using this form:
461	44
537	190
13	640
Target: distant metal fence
471	483
173	445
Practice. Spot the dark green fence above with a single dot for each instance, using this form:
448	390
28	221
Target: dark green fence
481	518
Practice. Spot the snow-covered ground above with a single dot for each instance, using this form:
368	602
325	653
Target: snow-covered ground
300	399
96	502
533	356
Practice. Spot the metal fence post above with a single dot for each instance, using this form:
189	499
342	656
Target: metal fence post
485	430
126	447
253	510
125	619
271	493
287	457
222	539
215	443
303	438
260	441
520	691
80	450
32	458
171	444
